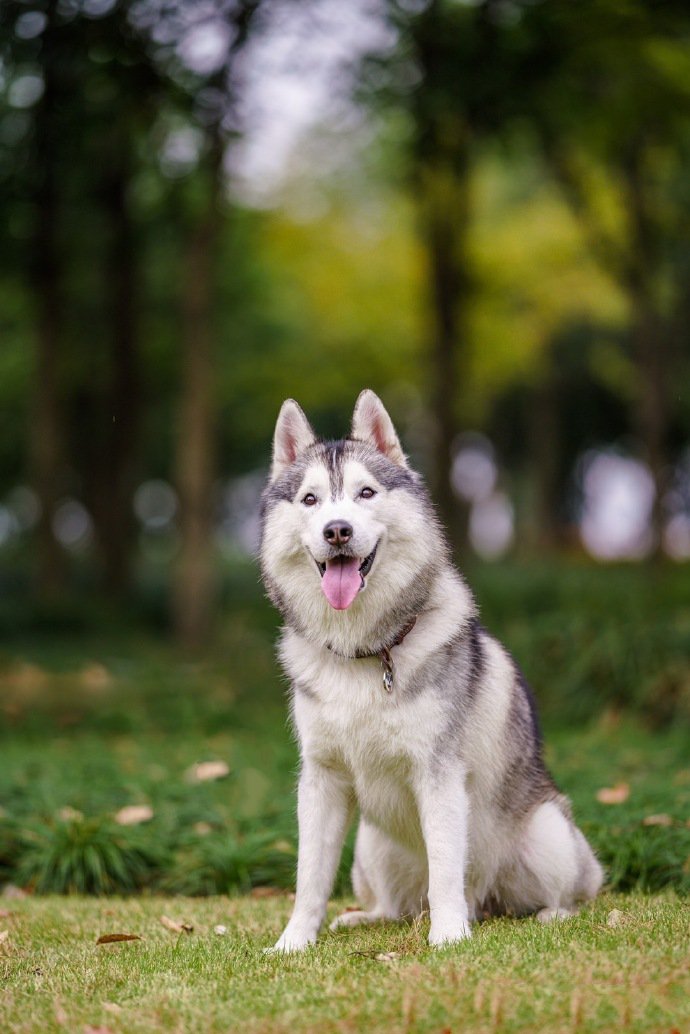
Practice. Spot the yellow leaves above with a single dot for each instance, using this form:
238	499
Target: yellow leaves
617	794
617	917
134	814
206	771
658	820
174	926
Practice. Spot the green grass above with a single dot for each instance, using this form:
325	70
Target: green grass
99	713
94	721
514	975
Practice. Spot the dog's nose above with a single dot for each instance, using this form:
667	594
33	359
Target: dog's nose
337	533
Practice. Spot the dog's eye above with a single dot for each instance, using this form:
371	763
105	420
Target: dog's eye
309	499
367	493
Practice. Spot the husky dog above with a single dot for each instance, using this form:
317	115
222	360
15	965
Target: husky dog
403	704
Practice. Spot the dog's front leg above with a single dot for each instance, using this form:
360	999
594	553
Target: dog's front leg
443	812
324	807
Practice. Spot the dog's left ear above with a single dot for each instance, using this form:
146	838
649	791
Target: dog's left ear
371	423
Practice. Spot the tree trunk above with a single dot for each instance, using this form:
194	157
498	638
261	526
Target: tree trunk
46	429
193	584
115	481
650	336
444	217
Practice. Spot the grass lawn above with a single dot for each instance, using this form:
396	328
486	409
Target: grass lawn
93	721
515	975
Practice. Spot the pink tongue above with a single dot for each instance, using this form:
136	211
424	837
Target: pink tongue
341	581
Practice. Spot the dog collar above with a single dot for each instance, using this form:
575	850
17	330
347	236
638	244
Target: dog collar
384	655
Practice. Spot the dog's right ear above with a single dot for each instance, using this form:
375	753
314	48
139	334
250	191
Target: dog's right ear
293	434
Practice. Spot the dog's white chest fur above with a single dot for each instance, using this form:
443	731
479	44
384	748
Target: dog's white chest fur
380	741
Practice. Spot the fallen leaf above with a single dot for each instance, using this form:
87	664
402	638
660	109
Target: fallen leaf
95	676
617	918
378	956
265	892
88	1029
657	820
220	930
112	938
68	814
134	814
207	770
202	829
111	1007
14	893
5	913
613	794
174	927
4	935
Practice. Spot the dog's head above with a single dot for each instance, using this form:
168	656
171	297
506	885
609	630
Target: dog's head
349	537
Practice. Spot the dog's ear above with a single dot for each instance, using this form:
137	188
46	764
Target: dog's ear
293	434
371	423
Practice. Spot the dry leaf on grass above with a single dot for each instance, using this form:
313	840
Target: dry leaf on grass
617	918
88	1029
378	956
69	814
112	1007
4	937
657	820
266	892
14	893
134	814
207	770
95	676
613	794
220	930
5	913
175	927
113	938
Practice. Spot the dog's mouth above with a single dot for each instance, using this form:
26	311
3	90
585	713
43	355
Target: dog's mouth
342	577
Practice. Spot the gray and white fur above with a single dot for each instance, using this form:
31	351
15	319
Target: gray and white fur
458	813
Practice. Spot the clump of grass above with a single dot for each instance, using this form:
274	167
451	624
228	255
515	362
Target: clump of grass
85	856
223	863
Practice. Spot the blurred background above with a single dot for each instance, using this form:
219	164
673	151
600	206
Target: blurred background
480	209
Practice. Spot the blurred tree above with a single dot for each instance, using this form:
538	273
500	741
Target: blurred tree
606	87
451	72
37	78
214	95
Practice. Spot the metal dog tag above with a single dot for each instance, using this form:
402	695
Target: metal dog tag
387	665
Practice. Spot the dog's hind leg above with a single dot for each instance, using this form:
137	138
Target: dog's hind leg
388	880
555	868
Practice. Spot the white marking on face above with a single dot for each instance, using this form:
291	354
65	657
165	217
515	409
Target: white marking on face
362	514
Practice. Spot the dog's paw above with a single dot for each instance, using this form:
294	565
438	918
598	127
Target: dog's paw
290	942
442	934
355	918
550	915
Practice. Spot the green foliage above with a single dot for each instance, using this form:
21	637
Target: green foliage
85	856
93	721
221	863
